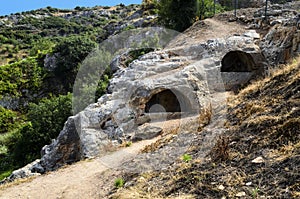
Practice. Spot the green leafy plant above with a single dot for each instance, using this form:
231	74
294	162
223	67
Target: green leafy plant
20	76
186	157
46	120
177	14
128	144
8	120
72	51
119	182
254	192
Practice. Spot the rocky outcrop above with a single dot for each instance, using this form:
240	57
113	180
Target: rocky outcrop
160	85
281	44
27	171
280	29
166	84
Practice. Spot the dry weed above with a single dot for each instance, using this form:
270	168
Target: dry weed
220	152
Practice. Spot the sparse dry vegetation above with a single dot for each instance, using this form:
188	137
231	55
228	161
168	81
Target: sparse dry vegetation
263	121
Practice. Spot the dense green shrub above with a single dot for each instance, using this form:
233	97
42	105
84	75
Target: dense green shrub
25	137
178	14
41	45
72	51
206	8
46	121
19	77
8	120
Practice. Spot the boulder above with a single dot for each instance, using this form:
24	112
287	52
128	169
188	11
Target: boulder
26	171
148	132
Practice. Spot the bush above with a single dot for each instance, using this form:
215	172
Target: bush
46	121
41	45
206	8
8	120
20	76
119	182
72	51
177	14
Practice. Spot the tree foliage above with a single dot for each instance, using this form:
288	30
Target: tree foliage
46	119
72	51
181	14
178	14
21	76
8	118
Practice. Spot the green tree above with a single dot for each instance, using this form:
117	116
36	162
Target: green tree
41	45
8	119
206	8
72	51
46	121
178	14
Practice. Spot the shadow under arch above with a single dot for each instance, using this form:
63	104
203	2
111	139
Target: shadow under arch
172	100
237	61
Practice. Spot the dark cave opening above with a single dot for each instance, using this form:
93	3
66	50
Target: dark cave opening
237	61
164	101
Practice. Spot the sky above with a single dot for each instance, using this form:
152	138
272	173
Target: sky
13	6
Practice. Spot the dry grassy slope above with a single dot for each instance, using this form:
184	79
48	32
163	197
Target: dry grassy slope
263	121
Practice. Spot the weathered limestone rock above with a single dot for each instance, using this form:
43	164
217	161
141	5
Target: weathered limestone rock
26	171
152	88
65	149
174	82
50	61
281	44
148	132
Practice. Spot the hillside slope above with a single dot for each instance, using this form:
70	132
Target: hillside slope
40	54
257	153
258	156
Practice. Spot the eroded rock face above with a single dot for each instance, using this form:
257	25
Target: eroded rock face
160	85
141	93
192	73
281	44
281	37
65	149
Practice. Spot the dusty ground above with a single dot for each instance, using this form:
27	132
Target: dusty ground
86	179
92	178
207	29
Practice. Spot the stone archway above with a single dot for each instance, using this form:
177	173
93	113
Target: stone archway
164	101
237	61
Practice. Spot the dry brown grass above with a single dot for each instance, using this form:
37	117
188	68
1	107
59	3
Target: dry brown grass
220	151
279	70
167	136
16	182
204	117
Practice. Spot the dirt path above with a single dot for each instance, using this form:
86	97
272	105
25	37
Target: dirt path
86	179
90	178
210	28
80	180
